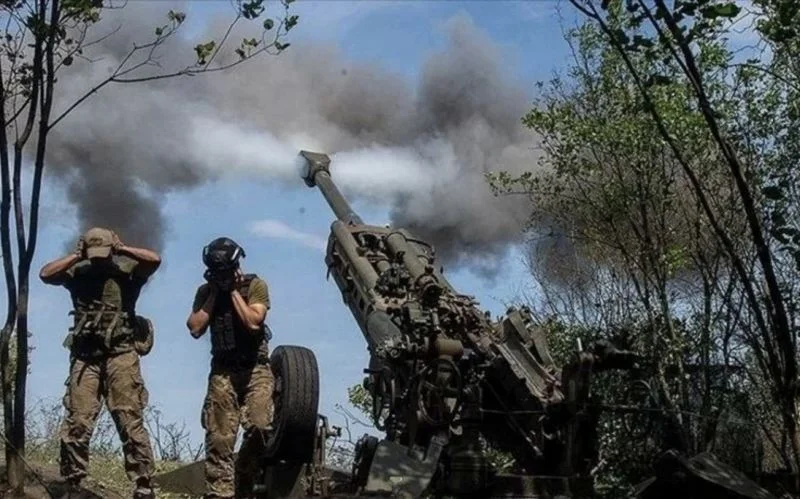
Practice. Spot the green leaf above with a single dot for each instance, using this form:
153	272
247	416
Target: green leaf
622	36
159	31
203	50
726	10
658	80
641	41
252	9
268	24
291	22
178	17
772	192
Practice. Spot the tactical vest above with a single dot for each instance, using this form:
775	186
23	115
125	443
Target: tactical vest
232	343
102	325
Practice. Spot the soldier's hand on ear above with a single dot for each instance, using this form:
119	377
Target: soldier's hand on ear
213	287
116	243
79	247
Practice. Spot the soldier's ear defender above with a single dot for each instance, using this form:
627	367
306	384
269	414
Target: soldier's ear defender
222	253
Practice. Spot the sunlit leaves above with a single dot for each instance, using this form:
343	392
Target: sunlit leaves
84	11
176	19
361	399
247	47
780	21
204	51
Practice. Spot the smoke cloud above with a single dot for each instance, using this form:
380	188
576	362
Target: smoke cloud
423	147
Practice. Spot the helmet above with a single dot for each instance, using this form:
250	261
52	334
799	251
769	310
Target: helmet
222	254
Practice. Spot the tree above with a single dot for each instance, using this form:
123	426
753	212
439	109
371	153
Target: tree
40	39
623	247
677	35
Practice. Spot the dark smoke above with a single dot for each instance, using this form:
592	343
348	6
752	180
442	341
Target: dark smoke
426	149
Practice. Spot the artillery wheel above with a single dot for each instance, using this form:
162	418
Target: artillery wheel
296	399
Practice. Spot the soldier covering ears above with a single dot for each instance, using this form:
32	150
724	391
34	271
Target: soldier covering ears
104	278
233	305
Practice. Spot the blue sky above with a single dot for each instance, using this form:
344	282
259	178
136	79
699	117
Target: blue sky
306	310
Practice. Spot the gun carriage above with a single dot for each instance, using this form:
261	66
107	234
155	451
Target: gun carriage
445	380
444	377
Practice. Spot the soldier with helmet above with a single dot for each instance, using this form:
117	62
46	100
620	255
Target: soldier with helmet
233	305
104	278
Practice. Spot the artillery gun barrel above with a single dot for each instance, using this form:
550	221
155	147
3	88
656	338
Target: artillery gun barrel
317	174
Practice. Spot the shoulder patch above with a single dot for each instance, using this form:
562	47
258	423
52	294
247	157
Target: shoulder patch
125	264
78	267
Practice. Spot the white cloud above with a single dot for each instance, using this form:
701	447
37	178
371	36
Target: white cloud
276	229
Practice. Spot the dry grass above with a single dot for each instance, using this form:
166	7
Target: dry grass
107	478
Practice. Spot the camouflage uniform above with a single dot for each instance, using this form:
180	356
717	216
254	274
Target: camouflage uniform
240	387
105	348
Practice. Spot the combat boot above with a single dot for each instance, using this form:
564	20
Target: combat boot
72	489
143	489
144	493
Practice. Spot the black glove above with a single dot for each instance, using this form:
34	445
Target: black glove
223	280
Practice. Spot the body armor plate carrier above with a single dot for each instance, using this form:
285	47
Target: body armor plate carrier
100	328
231	342
105	327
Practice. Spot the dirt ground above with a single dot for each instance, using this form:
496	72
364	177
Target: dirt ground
44	482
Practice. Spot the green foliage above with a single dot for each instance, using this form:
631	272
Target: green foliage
360	398
204	51
252	9
780	20
84	11
634	259
291	22
106	466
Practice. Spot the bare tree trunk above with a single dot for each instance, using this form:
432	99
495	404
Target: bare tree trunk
8	270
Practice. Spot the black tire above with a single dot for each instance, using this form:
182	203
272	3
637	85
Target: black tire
296	399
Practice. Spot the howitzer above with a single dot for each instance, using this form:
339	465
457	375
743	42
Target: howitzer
444	376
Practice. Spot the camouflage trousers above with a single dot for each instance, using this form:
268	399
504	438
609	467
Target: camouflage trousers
236	397
118	379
